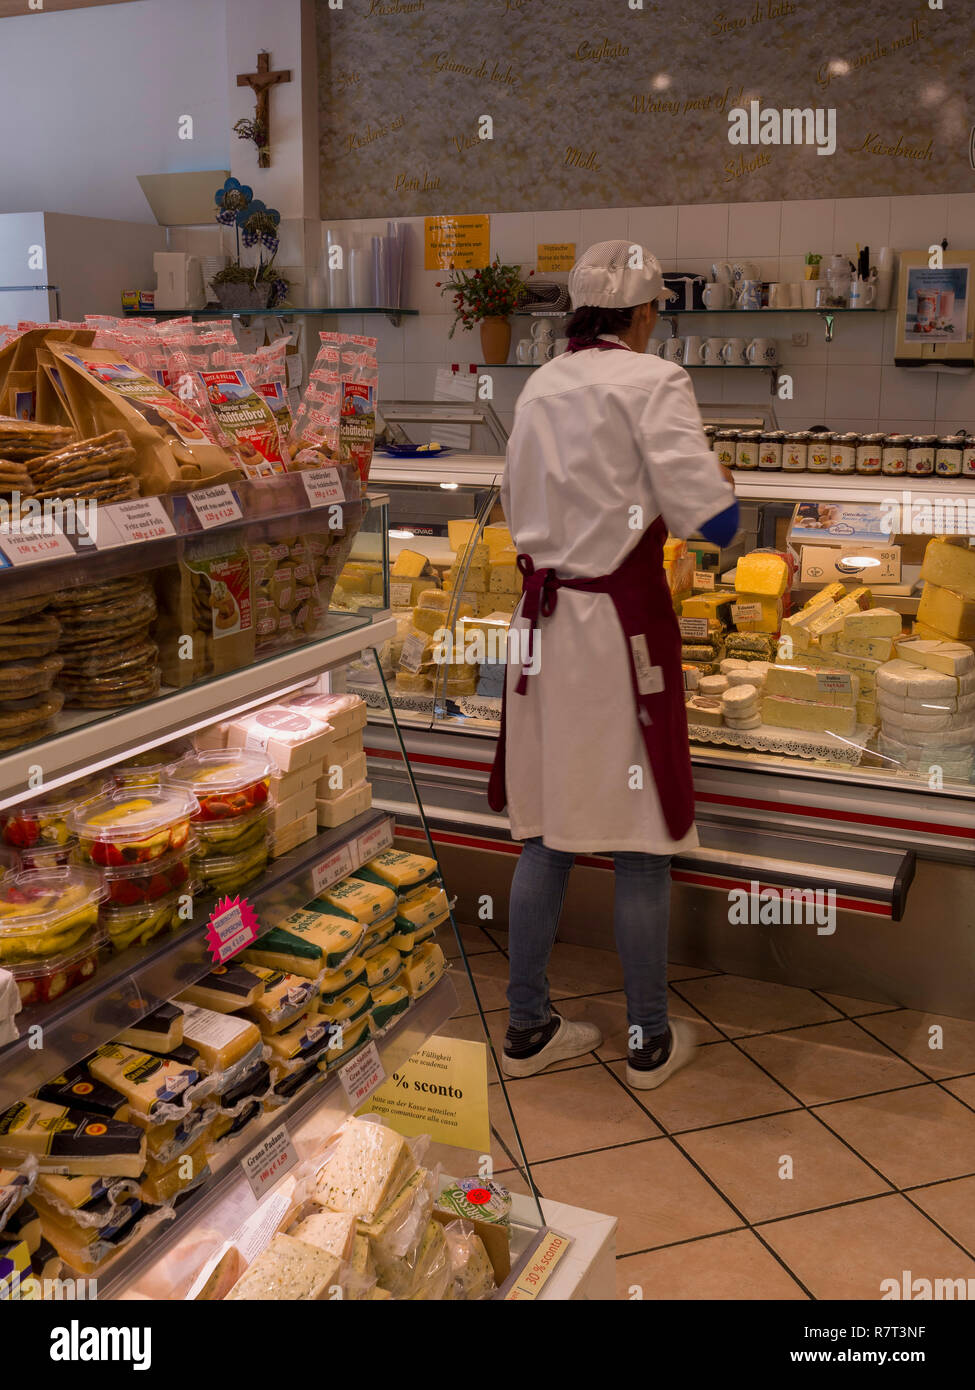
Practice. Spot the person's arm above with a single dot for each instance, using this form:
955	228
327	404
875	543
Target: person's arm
691	488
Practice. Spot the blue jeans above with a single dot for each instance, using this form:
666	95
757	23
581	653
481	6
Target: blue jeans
641	913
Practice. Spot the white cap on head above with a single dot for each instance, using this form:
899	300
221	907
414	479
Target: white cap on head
617	275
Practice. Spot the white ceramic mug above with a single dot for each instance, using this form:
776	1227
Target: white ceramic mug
863	294
712	350
734	353
780	295
720	294
809	288
722	272
673	350
749	294
693	348
542	331
744	270
762	352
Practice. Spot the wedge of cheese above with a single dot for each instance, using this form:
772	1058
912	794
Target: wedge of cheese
801	683
289	1270
63	1140
873	622
873	648
950	612
951	658
333	1231
368	1163
950	566
227	987
409	564
147	1082
423	969
800	714
762	574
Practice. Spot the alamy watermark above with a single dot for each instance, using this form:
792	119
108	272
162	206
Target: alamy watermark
792	125
755	906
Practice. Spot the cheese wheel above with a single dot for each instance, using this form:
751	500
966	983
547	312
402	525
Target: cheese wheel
713	685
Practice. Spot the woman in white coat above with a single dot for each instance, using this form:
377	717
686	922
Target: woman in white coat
606	456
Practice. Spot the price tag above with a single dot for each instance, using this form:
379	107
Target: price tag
103	531
215	506
231	929
269	1162
374	841
362	1075
834	682
142	520
324	487
746	612
411	658
28	545
693	629
704	581
401	595
335	866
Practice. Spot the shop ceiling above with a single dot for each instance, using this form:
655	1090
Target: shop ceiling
10	9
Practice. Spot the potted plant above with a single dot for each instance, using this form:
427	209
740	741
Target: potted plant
249	287
812	266
487	296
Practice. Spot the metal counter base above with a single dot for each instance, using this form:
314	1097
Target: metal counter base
890	940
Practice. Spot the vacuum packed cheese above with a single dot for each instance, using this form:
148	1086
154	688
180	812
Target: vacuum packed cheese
163	1184
397	869
800	714
69	1141
364	902
383	966
336	982
159	1031
227	987
367	1165
951	566
289	1270
352	1004
147	1082
282	999
221	1039
76	1089
303	1039
388	1001
333	1231
423	969
308	943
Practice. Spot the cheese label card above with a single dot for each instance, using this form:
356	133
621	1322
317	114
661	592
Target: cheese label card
376	840
362	1075
26	546
693	629
142	520
834	681
268	1163
400	595
746	612
703	581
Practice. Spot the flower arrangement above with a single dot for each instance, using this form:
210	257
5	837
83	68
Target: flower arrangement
255	225
492	292
255	130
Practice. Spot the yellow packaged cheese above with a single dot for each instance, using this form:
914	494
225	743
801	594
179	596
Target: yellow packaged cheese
222	1040
309	942
423	969
364	902
383	966
147	1082
399	869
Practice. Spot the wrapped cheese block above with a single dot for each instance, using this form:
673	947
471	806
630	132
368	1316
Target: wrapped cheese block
288	1270
367	1165
59	1139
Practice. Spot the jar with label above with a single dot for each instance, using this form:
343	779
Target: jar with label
843	452
948	455
724	447
870	453
893	460
968	458
746	449
795	448
817	457
920	455
770	450
709	432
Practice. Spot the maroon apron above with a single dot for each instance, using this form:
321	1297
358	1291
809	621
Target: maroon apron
641	596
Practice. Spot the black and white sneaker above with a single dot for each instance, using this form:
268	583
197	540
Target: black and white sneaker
566	1039
645	1073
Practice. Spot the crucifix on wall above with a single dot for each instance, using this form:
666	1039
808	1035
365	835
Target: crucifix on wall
259	130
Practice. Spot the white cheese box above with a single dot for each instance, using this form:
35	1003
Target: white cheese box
339	777
289	736
342	808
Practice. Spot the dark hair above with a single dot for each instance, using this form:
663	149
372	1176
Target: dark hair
590	321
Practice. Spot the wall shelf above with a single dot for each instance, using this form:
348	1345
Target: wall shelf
395	316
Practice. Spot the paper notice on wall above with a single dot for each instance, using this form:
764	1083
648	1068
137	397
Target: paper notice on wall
459	387
440	1091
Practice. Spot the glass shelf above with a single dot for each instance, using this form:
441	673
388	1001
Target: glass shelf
281	312
691	367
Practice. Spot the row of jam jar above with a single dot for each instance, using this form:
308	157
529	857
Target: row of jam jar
916	456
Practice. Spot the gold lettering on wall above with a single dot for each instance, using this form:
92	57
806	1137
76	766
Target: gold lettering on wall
741	167
445	62
874	144
581	159
597	53
842	67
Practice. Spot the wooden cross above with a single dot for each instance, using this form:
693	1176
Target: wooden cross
262	81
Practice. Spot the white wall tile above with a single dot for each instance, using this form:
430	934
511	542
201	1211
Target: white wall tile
425	340
702	230
654	228
863	220
603	224
807	225
911	393
560	226
512	238
808	403
918	222
852	391
754	229
955	404
392	382
856	341
960	229
420	379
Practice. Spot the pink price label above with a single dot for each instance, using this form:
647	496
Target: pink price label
329	870
374	841
27	547
232	927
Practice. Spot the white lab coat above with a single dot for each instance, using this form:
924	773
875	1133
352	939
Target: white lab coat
603	443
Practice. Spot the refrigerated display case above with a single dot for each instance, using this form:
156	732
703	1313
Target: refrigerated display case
890	843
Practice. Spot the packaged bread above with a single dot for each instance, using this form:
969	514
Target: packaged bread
206	619
104	392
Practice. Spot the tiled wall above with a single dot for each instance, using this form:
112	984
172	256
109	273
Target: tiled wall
848	384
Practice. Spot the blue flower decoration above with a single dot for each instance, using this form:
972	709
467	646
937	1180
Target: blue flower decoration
234	198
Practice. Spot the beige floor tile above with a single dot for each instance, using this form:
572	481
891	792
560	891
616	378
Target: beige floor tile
740	1006
855	1007
719	1085
908	1033
746	1163
849	1251
832	1061
952	1206
491	988
567	1112
584	970
964	1088
656	1194
735	1266
475	941
921	1135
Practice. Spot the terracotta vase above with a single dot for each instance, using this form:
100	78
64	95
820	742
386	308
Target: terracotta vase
495	340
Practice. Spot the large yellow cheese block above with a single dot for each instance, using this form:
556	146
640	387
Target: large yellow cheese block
459	532
763	574
474	581
800	714
948	611
59	1138
147	1082
366	902
951	566
505	579
800	683
497	538
409	564
423	969
771	613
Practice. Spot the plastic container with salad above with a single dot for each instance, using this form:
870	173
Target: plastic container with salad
134	825
228	783
46	913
